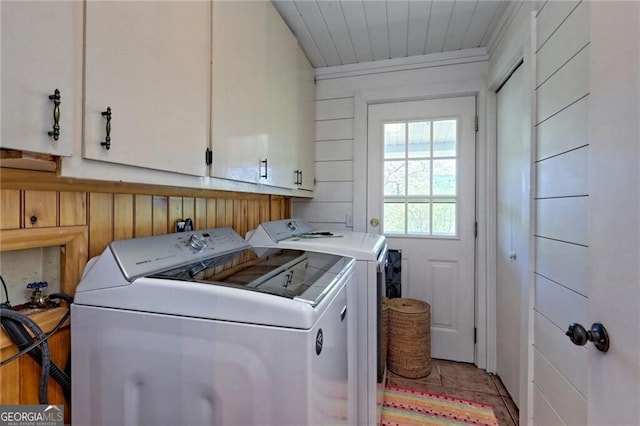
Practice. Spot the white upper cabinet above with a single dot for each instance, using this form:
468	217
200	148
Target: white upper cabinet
41	48
149	63
305	171
282	49
255	95
239	90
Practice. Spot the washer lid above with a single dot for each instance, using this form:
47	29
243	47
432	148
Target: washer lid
293	274
297	234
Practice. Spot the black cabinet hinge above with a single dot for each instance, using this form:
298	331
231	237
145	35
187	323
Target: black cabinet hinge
208	157
475	335
475	230
477	122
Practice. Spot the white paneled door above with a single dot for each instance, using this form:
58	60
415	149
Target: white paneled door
421	195
512	257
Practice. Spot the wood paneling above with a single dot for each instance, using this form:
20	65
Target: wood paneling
558	304
188	208
564	131
563	263
568	359
568	85
73	208
550	17
331	109
100	222
123	208
175	213
143	215
564	175
557	388
212	219
334	129
544	414
10	373
160	215
200	215
10	215
563	219
40	209
572	36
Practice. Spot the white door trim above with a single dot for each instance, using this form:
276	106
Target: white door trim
362	99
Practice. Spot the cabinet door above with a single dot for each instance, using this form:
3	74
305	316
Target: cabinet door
281	97
305	123
239	90
254	94
150	63
40	53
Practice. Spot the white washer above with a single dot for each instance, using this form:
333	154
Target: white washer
195	329
370	253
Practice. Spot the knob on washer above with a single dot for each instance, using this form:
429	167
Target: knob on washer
198	242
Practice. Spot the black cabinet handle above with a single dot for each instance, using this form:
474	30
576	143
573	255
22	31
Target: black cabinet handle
264	176
107	141
56	115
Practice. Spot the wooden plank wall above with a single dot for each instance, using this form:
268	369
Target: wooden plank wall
561	199
110	211
114	211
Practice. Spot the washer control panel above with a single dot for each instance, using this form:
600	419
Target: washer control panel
284	229
144	256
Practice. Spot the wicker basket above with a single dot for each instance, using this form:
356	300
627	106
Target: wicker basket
385	330
409	347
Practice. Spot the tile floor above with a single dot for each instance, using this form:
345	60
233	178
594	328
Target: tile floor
464	381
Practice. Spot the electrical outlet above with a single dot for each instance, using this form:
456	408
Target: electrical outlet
349	219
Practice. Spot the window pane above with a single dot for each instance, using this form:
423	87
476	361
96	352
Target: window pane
394	140
444	138
393	221
418	218
394	182
444	177
418	177
444	219
419	139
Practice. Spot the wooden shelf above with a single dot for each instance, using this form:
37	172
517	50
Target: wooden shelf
46	320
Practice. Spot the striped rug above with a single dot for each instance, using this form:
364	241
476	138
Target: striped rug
405	407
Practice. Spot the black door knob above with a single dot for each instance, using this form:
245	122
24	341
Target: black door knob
598	335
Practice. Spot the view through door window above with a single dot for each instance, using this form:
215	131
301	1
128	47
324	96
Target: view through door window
420	178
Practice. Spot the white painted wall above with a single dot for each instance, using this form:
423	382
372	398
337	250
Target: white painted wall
561	203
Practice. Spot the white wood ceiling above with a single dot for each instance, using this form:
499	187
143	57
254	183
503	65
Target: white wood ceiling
340	32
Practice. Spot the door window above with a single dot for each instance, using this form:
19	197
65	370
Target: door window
420	178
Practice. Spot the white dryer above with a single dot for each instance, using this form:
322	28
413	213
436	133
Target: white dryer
366	386
195	329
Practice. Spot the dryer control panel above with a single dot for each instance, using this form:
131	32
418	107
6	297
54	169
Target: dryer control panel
143	256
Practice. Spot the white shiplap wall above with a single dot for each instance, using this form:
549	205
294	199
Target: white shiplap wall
561	204
334	142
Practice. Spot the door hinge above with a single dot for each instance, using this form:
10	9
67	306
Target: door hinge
475	230
475	335
208	157
477	121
